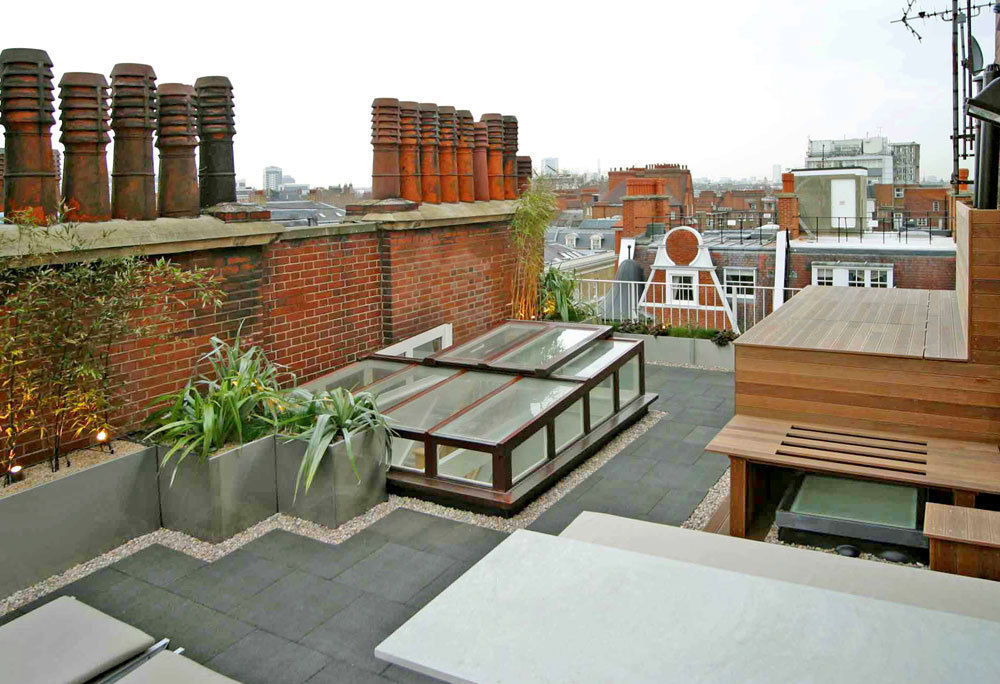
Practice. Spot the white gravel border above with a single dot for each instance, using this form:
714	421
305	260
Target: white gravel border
211	552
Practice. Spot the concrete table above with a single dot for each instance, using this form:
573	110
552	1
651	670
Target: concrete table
547	609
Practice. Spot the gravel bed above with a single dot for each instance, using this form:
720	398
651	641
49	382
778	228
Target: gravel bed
212	552
703	513
689	365
81	458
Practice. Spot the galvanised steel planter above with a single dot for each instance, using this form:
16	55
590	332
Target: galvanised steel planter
217	498
684	350
710	355
52	527
335	495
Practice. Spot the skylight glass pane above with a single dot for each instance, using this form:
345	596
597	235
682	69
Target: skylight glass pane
529	454
628	381
602	401
467	465
545	347
502	414
426	411
397	388
357	375
595	358
493	342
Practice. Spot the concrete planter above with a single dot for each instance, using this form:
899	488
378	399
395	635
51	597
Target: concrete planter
335	495
684	350
221	496
54	526
710	355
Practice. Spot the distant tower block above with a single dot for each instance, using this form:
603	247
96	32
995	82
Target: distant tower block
409	152
133	119
510	157
176	139
216	128
480	162
430	173
385	144
464	155
83	99
447	159
26	112
494	153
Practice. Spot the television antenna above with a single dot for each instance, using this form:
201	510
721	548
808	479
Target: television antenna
965	54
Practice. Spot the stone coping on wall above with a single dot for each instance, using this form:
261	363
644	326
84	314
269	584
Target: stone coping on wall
441	215
177	235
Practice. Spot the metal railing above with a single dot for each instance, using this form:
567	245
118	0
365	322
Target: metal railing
680	302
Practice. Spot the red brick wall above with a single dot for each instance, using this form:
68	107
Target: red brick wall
909	271
432	276
318	303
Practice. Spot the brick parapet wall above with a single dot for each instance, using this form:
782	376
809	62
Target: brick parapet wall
319	298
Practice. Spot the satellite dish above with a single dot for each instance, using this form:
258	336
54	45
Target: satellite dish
976	58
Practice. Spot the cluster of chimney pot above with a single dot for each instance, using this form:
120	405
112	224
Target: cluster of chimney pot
431	154
183	118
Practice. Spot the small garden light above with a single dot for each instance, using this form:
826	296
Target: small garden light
103	438
16	473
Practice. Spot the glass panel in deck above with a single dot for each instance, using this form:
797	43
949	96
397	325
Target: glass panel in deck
504	413
544	348
481	348
596	357
426	411
465	465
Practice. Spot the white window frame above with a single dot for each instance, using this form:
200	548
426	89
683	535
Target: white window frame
936	205
898	193
827	274
440	337
596	241
567	238
922	222
732	290
842	274
673	301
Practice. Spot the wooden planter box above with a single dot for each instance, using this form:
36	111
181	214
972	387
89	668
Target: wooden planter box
52	527
335	496
684	350
219	497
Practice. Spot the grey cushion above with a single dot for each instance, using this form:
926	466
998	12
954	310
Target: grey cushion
66	641
166	667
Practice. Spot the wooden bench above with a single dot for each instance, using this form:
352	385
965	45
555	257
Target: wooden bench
964	541
964	467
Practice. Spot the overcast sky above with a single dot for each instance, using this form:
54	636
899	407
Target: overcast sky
728	87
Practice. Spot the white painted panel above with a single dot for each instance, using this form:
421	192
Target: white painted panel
843	202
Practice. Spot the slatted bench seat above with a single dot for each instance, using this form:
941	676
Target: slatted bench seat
963	541
965	467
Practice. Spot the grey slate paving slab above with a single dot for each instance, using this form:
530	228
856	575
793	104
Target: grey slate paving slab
295	604
442	582
395	572
626	468
229	581
411	528
158	565
312	556
701	435
629	499
263	658
352	634
339	672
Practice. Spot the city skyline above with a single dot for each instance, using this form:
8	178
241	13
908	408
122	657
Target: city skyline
800	76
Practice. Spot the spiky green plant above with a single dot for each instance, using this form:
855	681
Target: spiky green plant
323	417
557	297
238	403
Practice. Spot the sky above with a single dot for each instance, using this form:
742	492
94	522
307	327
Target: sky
728	87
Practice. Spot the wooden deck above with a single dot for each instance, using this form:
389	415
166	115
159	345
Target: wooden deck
887	322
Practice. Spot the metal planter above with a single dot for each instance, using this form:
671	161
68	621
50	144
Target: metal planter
222	496
52	527
335	496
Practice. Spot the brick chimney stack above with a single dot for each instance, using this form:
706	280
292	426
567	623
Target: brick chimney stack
448	128
510	157
133	118
480	162
409	152
216	128
466	145
26	112
788	206
176	139
523	174
385	142
83	101
430	170
494	154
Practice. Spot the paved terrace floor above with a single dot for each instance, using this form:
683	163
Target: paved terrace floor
286	609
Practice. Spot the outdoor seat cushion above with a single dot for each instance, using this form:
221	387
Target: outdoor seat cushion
166	667
64	642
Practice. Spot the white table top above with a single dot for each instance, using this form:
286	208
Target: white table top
546	609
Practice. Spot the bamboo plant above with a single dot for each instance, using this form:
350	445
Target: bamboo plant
535	210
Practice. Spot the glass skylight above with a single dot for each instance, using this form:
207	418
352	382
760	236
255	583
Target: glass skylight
444	401
543	349
595	358
493	343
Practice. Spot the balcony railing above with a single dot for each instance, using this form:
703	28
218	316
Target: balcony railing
680	303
